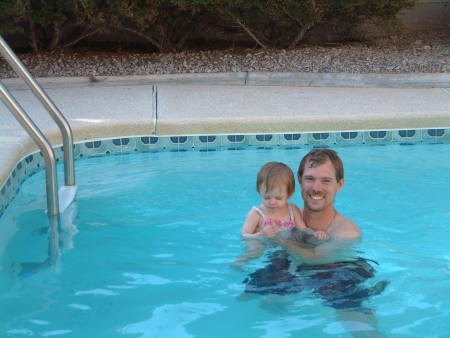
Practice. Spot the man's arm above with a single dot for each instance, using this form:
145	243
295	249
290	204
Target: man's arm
343	233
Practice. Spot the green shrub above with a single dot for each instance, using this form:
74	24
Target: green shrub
12	13
285	23
52	24
160	22
168	24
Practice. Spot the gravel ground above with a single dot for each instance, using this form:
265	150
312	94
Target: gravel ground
425	52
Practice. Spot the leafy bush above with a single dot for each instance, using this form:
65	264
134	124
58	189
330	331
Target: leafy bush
11	12
285	23
51	24
160	22
168	24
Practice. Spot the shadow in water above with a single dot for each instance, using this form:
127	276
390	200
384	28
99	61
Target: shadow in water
339	284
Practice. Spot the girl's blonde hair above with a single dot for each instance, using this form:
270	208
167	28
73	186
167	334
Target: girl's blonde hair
274	174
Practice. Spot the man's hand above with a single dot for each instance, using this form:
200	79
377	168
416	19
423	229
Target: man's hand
319	234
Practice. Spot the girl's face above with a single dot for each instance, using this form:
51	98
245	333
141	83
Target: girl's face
275	198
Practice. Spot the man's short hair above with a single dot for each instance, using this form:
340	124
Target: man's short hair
318	157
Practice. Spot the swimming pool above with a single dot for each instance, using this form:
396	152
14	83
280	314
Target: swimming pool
149	251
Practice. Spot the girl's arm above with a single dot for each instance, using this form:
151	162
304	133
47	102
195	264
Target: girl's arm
250	227
254	249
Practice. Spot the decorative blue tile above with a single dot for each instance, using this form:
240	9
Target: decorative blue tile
407	133
21	170
349	135
76	150
93	144
179	139
29	158
149	140
321	138
121	145
436	134
208	142
129	145
235	140
377	136
407	136
207	139
264	140
293	139
7	193
32	163
179	143
349	138
149	143
59	155
94	148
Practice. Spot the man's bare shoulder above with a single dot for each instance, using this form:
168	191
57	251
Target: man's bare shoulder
345	228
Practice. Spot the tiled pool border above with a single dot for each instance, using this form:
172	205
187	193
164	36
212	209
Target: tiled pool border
34	162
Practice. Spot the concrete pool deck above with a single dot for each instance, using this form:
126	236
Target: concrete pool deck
229	103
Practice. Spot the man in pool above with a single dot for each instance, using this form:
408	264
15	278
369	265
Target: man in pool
321	176
338	282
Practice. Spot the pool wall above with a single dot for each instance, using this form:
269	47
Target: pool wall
225	111
34	162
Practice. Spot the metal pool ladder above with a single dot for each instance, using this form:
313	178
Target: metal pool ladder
57	201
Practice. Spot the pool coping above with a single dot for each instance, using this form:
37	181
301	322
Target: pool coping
194	105
301	79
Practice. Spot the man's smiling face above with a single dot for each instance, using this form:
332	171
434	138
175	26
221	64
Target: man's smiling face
319	186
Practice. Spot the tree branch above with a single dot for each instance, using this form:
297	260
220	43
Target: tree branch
33	38
183	39
248	31
56	36
300	35
79	38
142	35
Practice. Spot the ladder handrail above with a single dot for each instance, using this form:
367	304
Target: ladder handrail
45	147
60	120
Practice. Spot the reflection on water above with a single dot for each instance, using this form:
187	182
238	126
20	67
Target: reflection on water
61	229
170	320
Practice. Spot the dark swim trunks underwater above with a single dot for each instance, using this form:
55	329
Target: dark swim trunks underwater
338	283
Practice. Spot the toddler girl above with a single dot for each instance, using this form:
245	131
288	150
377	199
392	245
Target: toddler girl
275	184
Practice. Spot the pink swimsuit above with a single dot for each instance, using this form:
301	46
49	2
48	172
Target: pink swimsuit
281	224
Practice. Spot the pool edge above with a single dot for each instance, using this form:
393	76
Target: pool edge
33	162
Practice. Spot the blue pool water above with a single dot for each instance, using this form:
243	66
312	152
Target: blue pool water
146	250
